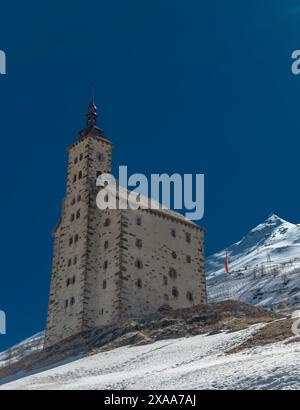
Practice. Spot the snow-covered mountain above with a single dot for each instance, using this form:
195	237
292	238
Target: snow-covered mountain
264	267
26	347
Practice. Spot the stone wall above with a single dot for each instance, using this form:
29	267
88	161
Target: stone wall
162	263
71	277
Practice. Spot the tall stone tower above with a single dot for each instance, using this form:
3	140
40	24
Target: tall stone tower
73	275
115	264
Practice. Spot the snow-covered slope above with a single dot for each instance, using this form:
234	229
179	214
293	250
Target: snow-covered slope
197	362
23	349
264	266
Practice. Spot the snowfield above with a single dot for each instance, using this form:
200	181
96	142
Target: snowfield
198	362
17	352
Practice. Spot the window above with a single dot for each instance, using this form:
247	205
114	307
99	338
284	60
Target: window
76	160
74	178
105	265
72	218
139	283
68	282
73	280
139	243
105	244
73	201
188	237
139	221
69	262
175	292
78	198
189	296
70	240
188	259
66	303
107	222
104	284
80	175
100	156
72	301
75	260
174	255
81	157
165	280
139	264
76	238
172	273
173	233
78	214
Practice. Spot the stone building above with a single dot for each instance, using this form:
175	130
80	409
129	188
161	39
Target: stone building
115	264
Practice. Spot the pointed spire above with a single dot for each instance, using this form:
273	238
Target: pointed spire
92	111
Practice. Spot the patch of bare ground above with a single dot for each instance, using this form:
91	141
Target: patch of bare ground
227	316
276	331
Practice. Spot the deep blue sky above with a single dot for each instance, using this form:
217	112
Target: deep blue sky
183	86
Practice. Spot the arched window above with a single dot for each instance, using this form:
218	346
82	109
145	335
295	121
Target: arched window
172	273
78	214
68	282
105	244
139	243
189	296
105	265
66	303
175	292
107	222
139	264
139	283
76	238
104	284
72	300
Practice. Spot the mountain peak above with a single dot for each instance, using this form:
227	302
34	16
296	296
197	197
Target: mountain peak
273	218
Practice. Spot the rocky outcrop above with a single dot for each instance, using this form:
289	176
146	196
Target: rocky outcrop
213	318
